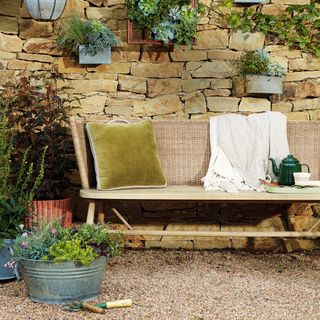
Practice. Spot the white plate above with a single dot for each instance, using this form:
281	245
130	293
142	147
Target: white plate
310	183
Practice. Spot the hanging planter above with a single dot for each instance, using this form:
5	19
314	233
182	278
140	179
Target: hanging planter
45	10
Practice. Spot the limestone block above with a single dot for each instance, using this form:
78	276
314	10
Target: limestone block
258	244
119	110
306	104
158	106
314	114
299	76
120	103
124	56
254	104
155	70
35	57
105	76
297	116
196	105
212	243
69	65
189	227
283	61
7	55
163	86
300	209
209	39
86	86
191	85
193	65
132	84
175	116
7	75
46	46
282	107
114	67
188	55
150	227
217	92
25	65
301	90
221	84
116	12
222	104
300	244
248	41
96	2
304	64
127	95
92	104
155	57
223	55
187	245
75	6
34	29
302	223
10	7
215	69
206	116
291	2
113	2
10	43
273	9
9	25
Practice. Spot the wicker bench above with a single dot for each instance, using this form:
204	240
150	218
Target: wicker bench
184	152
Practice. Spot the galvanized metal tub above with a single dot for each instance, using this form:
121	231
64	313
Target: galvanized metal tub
264	84
6	273
49	282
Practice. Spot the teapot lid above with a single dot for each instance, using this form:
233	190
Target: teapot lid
290	159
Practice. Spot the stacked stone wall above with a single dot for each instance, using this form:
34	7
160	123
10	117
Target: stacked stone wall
161	82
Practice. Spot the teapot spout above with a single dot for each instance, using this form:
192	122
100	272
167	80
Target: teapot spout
275	169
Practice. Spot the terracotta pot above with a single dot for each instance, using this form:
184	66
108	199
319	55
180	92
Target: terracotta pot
48	210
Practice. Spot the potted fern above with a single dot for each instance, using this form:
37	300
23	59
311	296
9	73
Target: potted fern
262	75
90	40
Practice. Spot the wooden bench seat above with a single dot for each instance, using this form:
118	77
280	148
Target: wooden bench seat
184	151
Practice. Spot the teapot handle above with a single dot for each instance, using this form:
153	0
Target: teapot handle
306	166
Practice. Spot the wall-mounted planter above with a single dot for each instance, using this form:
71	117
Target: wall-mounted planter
264	84
45	10
103	56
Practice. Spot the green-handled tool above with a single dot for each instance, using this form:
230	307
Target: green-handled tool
115	304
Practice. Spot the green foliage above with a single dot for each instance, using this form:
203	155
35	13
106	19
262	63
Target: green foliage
41	119
16	191
52	242
298	26
258	62
71	250
166	20
93	34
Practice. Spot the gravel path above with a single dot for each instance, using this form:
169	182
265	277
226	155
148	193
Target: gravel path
193	286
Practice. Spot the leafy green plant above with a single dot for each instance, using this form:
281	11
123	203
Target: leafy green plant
52	242
92	34
16	191
258	62
298	26
166	20
41	119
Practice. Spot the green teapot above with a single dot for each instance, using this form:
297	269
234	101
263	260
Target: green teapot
287	167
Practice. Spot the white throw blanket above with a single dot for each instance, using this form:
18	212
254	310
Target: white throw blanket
241	147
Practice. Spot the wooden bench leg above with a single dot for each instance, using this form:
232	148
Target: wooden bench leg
91	210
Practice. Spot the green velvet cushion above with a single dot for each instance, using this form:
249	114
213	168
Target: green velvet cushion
125	155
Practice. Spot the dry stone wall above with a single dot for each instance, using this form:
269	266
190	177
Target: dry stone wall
159	82
150	81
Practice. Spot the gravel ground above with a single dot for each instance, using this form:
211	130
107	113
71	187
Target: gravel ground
193	286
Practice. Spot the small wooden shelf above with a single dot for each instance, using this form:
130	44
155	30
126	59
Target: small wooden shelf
137	36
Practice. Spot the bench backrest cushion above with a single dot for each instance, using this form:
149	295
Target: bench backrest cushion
184	149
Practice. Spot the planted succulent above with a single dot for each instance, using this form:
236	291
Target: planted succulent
166	20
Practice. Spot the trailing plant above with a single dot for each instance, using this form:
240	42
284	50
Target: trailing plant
92	34
42	120
258	62
167	20
298	27
16	191
52	242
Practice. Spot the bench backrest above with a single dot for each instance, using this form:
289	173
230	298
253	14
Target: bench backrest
184	149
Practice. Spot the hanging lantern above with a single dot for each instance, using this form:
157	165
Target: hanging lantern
46	10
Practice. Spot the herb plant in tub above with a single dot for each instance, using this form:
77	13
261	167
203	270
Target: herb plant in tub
262	75
60	264
90	40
